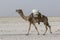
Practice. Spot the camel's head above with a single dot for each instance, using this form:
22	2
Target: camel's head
19	10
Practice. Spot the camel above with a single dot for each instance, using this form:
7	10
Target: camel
33	20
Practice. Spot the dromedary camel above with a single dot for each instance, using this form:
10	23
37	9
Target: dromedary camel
33	20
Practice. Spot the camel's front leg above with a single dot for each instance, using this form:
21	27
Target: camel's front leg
36	28
46	30
29	28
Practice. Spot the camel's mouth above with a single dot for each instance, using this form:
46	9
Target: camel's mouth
16	10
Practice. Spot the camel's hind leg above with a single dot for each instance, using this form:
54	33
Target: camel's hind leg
36	28
46	26
49	28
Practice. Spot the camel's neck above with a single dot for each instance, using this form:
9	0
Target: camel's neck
23	16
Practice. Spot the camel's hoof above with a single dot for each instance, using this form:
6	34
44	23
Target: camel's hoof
38	34
43	34
27	34
51	32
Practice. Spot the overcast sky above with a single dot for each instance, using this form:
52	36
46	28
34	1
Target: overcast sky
46	7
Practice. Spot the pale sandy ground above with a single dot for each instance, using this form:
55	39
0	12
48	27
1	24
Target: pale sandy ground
14	28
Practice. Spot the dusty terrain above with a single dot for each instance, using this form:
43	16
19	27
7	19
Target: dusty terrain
15	28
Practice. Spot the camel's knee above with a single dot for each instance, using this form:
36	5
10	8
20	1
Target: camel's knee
49	26
36	28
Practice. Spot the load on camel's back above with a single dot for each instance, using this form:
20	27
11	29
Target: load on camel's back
35	13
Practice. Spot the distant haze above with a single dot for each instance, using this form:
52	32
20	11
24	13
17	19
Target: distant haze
46	7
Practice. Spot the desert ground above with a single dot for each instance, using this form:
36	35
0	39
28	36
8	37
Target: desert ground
15	28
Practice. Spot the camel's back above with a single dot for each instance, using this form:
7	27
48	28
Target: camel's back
44	18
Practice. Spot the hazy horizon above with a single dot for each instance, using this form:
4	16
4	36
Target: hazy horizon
46	7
